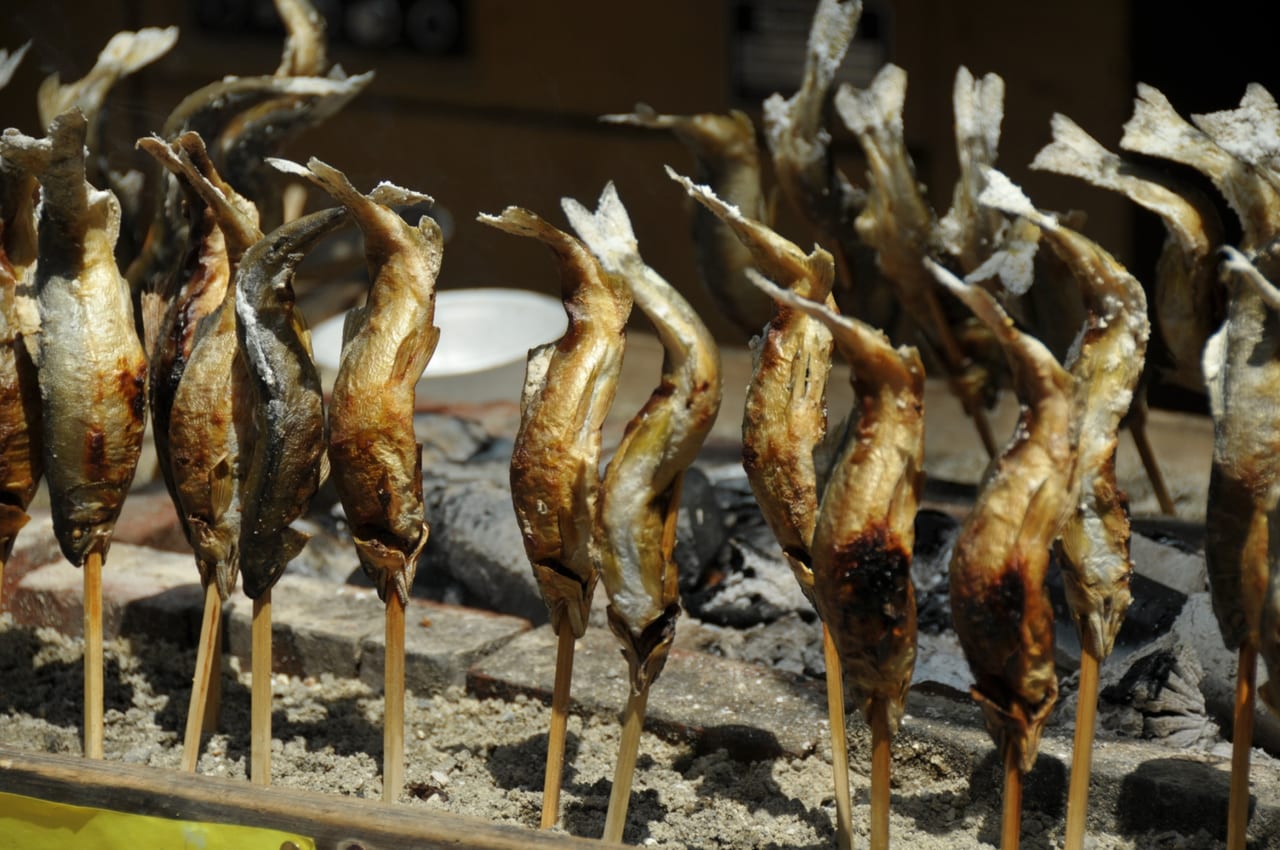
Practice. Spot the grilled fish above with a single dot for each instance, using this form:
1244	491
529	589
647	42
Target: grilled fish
91	367
21	464
785	419
899	224
208	411
1106	365
281	470
800	148
375	455
1241	369
865	527
125	53
1188	302
999	603
569	387
640	495
305	51
728	160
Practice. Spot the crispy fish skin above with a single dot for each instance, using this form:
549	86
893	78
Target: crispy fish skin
785	416
728	160
281	470
91	367
999	603
375	455
21	464
640	494
1106	365
569	387
899	224
865	529
209	409
1188	302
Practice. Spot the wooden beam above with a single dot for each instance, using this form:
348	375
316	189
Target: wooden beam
332	820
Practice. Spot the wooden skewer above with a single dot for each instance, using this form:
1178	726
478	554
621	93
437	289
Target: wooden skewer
1241	744
628	748
93	700
1011	823
559	723
1082	752
839	742
260	698
393	701
213	702
1138	428
206	672
880	775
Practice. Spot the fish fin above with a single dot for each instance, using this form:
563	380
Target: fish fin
414	352
292	542
325	469
153	307
221	487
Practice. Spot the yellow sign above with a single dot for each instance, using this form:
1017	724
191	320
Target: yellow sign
30	824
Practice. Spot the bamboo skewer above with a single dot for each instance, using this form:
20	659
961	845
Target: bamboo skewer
260	698
1082	752
93	699
628	749
393	700
213	702
556	734
1011	821
880	761
1138	428
1241	744
839	742
208	666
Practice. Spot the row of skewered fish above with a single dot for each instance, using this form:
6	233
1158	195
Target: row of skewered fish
244	440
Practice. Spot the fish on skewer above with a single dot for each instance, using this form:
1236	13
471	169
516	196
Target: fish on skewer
899	224
783	428
374	451
21	462
1000	605
728	160
640	495
865	532
1106	364
1241	374
125	53
1188	304
283	465
198	400
90	367
555	480
800	149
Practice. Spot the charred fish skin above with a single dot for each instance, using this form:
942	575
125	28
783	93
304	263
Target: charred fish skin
91	367
1106	365
282	468
1000	606
785	413
640	493
728	160
375	455
1189	304
570	386
865	528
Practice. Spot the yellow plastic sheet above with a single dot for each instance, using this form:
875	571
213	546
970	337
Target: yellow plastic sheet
27	823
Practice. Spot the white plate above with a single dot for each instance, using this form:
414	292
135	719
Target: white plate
485	337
